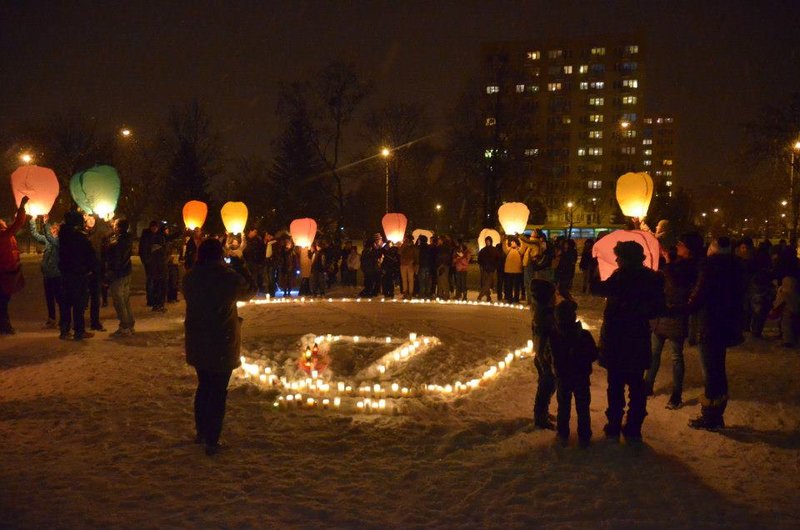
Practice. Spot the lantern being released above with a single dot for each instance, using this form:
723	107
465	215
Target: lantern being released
96	190
194	214
488	232
234	216
603	250
303	231
39	184
421	232
634	191
513	217
394	226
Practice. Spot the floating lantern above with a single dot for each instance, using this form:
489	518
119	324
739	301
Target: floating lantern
420	232
634	191
394	226
234	216
39	184
303	231
513	217
603	250
194	214
488	232
96	190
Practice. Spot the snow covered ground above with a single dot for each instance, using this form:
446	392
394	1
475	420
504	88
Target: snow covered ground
98	434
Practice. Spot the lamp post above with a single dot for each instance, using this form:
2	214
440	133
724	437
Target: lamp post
438	209
26	158
570	205
792	196
125	132
386	153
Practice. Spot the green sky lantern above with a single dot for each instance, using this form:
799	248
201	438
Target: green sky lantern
96	190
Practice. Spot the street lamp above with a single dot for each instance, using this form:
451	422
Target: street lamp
125	132
26	158
570	205
386	153
793	233
438	209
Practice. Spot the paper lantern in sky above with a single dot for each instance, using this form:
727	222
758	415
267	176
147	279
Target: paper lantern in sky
194	214
634	191
96	190
513	217
421	232
303	231
488	232
234	216
394	226
39	184
603	250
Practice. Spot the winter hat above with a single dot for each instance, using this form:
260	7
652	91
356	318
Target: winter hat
422	239
629	252
542	291
210	250
73	218
566	312
693	241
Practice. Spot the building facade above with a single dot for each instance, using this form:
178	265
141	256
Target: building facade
658	151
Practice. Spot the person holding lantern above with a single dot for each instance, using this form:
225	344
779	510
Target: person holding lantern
461	258
255	256
512	269
50	271
11	279
409	265
488	261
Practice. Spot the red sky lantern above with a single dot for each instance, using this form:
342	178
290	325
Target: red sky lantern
394	226
603	250
39	184
303	231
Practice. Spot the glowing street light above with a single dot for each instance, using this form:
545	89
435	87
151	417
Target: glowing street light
624	124
126	133
784	202
26	158
703	214
438	207
716	210
386	153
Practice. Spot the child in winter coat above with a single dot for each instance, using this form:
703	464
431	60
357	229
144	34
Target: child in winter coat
787	309
542	300
573	350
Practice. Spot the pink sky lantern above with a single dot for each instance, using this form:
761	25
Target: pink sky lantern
603	250
488	232
422	232
194	214
303	231
513	217
394	226
39	184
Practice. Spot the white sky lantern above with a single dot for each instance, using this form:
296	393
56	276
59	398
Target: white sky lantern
394	226
421	232
194	214
513	217
488	232
634	191
39	184
303	231
234	216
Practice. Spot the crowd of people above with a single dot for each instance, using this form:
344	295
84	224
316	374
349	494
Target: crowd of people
712	296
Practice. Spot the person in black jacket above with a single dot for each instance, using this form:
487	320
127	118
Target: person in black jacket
145	251
255	257
426	263
76	261
716	302
542	300
488	261
634	295
213	334
574	351
118	268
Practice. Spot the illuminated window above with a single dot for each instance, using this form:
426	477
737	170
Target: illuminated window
668	120
568	69
584	85
647	141
595	151
597	85
596	118
629	100
531	151
595	134
648	162
628	150
582	69
490	122
633	48
492	89
555	54
668	173
534	56
667	162
533	88
581	151
520	89
629	133
630	83
629	116
553	87
594	184
489	153
668	183
598	51
648	152
597	102
648	120
566	120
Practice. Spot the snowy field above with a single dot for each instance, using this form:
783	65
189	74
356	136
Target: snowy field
99	434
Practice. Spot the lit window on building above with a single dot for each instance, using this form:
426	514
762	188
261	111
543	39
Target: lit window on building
629	117
668	120
628	150
566	120
553	87
520	89
668	183
631	49
629	133
659	120
595	184
595	134
597	102
648	162
531	151
584	68
629	100
598	85
596	118
669	174
630	83
595	151
492	89
667	162
533	88
534	56
598	51
489	153
647	141
555	54
581	151
584	85
648	120
568	69
490	122
658	173
648	152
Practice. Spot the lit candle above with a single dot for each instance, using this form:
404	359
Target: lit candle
412	337
337	401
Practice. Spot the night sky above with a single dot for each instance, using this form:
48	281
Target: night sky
712	64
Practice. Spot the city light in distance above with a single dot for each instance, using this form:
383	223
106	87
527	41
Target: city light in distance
125	132
385	152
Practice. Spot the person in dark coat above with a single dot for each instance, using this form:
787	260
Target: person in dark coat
192	243
588	265
542	300
390	269
634	295
98	231
77	261
716	302
157	268
11	278
213	334
426	264
255	257
286	263
565	271
488	261
761	291
671	329
573	350
145	250
118	268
